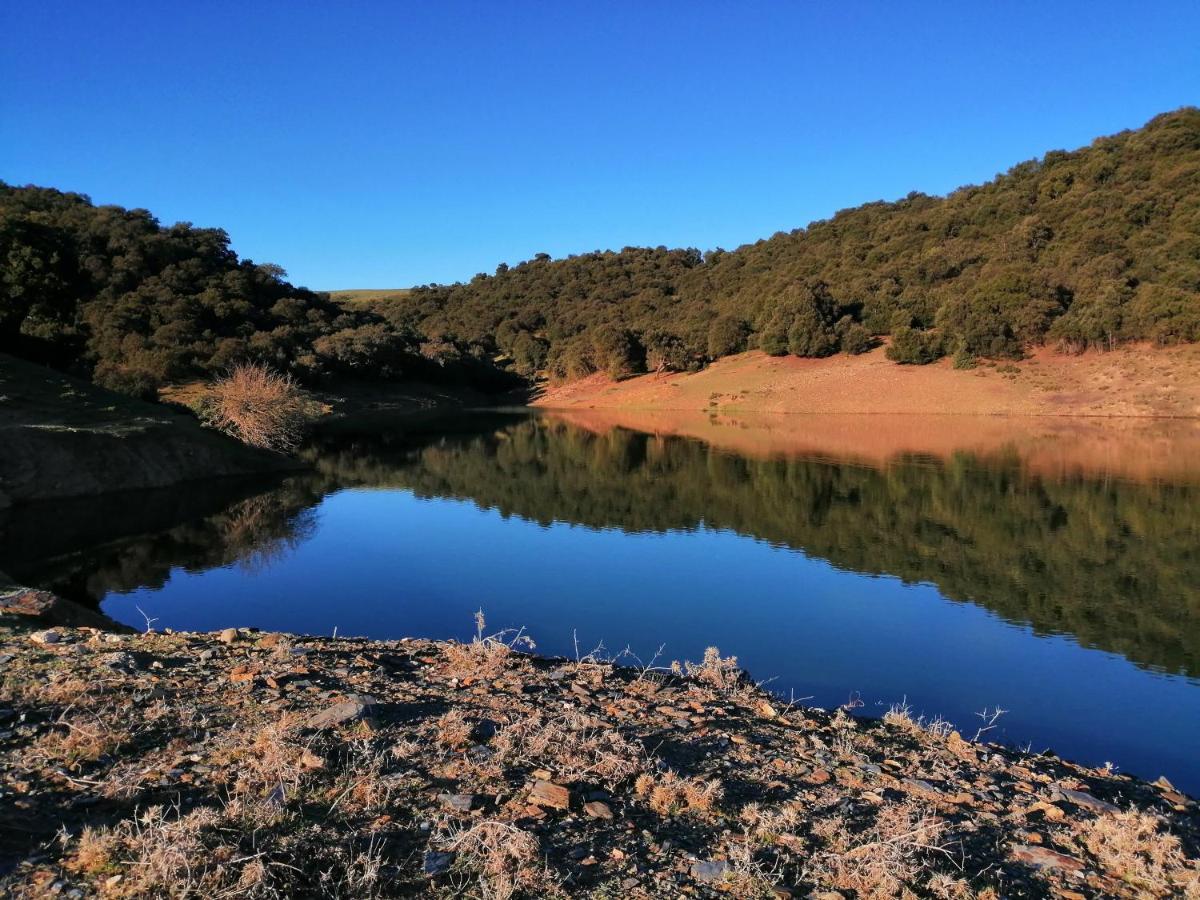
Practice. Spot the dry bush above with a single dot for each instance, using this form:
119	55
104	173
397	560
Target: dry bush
900	715
668	793
453	729
573	745
487	655
259	407
767	826
80	738
885	861
1133	847
716	671
503	857
95	851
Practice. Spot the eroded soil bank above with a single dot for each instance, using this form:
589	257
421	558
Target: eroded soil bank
1130	381
254	764
62	437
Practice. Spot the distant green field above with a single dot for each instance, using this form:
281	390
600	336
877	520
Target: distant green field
359	296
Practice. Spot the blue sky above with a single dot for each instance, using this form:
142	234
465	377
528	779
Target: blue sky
385	144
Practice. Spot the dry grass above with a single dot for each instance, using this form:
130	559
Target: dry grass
1133	847
259	407
79	737
887	860
668	794
716	671
487	655
900	715
572	745
501	857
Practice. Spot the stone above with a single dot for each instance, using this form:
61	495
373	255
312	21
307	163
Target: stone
547	793
462	803
598	809
51	609
50	636
310	760
228	636
352	709
437	863
1086	800
708	871
1045	858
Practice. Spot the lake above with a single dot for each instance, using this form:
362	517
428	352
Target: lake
1047	568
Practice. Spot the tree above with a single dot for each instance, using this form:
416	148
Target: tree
726	336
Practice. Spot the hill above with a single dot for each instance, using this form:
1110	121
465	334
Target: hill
1090	248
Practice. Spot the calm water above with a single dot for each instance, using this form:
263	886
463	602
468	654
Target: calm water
1067	595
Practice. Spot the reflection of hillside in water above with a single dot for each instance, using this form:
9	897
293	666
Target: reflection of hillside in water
1112	562
132	541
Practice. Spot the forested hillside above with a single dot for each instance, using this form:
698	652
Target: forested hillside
1083	249
1086	248
111	294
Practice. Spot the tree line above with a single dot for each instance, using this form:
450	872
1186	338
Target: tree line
1083	249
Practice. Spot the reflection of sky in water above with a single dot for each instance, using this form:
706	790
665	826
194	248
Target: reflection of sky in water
384	563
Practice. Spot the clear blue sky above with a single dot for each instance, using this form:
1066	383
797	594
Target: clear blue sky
386	144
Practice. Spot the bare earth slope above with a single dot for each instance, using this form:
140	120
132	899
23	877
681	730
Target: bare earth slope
61	437
1131	381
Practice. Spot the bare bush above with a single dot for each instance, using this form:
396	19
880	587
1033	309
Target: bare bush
487	655
1135	847
503	857
257	406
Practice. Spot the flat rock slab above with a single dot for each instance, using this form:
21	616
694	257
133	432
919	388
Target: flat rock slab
1086	800
352	709
708	871
462	803
1044	858
547	793
438	863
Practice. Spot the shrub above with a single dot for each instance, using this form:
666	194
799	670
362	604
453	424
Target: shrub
853	336
915	346
259	407
726	336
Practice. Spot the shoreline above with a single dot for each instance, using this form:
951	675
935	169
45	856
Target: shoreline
266	761
1129	382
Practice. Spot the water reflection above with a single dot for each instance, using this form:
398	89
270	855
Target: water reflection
1109	561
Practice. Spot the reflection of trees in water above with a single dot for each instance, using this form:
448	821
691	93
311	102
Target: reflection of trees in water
262	530
1113	563
252	532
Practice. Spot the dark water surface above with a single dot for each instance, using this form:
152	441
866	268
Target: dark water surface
1068	596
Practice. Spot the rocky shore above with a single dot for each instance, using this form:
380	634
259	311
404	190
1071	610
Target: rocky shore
246	764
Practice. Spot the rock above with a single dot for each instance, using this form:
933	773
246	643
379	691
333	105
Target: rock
437	863
709	871
547	793
51	609
310	760
1084	799
228	636
352	709
1045	858
920	786
598	809
462	803
50	636
766	710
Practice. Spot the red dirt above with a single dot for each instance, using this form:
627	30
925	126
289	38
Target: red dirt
1132	381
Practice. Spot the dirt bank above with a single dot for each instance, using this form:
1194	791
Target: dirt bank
1130	381
61	437
263	765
